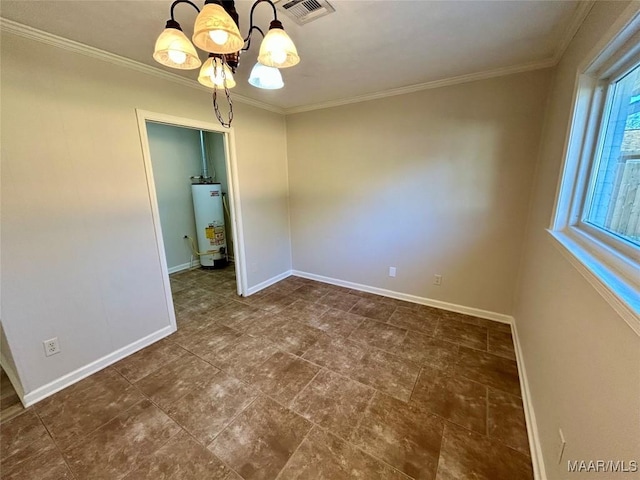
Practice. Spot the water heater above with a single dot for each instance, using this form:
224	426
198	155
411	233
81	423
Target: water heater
209	213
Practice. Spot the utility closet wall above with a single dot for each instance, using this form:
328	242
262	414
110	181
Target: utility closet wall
176	156
433	182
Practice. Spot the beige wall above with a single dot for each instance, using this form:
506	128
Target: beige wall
434	182
79	258
582	359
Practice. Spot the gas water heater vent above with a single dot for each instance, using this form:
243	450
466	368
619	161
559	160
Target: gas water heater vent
304	11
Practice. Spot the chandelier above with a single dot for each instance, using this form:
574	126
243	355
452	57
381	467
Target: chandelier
216	31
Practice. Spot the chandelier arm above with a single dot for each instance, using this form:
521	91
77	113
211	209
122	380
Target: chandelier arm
247	40
174	4
256	3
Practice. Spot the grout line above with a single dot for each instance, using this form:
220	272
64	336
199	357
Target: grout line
305	387
233	419
296	450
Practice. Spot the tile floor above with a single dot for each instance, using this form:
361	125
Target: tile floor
301	381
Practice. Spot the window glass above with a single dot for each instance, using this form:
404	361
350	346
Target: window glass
614	196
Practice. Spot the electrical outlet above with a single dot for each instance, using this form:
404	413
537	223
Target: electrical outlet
51	346
392	271
437	280
561	445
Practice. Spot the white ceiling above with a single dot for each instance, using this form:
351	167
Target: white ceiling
365	47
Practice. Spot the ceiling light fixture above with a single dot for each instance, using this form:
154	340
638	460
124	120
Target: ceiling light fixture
216	31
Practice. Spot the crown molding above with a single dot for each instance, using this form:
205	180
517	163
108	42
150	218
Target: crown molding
31	33
445	82
579	15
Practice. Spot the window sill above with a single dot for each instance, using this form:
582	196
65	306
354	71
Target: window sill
592	260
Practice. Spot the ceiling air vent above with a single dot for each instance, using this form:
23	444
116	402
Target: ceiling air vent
304	11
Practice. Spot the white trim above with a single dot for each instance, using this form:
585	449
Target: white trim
612	287
185	266
445	82
268	283
579	15
31	33
234	204
83	372
537	460
13	377
452	307
44	37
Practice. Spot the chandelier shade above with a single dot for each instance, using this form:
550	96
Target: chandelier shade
267	78
216	74
215	31
277	48
173	49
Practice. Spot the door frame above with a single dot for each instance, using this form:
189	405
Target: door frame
235	209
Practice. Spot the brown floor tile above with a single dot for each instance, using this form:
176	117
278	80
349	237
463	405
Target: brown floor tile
237	315
22	437
467	335
212	339
488	369
47	465
323	456
176	379
506	421
336	322
312	291
206	410
122	444
427	351
388	373
288	334
405	436
271	302
377	334
467	455
282	376
375	309
339	300
242	355
392	395
182	458
206	303
76	411
458	400
189	333
381	370
501	344
414	319
338	354
471	320
302	310
334	402
260	441
148	360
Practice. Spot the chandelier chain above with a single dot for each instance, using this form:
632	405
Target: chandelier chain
216	108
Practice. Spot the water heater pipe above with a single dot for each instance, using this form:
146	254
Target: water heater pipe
205	170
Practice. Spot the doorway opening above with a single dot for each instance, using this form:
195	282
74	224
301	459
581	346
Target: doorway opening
192	181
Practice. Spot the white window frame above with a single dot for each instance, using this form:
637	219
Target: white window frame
610	263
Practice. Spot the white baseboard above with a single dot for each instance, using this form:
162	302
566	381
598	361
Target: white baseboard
452	307
13	377
268	283
539	472
69	379
184	266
